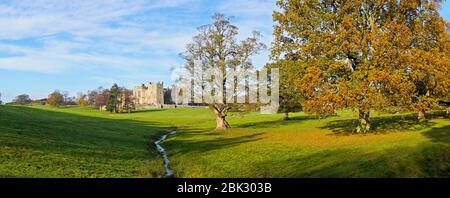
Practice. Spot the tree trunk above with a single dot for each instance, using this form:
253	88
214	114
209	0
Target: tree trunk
364	121
286	115
221	123
221	113
421	114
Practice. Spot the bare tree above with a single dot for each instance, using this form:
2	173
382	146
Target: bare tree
126	100
101	98
92	95
65	96
217	48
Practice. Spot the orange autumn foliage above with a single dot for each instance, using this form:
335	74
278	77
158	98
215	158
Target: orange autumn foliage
365	54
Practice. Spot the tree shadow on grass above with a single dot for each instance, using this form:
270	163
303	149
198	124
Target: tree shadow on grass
340	163
193	132
439	134
77	137
428	160
195	142
383	124
276	123
148	110
183	146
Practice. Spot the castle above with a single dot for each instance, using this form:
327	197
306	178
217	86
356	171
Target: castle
151	94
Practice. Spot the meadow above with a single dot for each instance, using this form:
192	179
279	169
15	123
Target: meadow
40	141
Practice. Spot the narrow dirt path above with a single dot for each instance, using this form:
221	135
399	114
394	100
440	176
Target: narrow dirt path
162	151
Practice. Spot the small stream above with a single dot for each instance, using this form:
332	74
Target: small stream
169	172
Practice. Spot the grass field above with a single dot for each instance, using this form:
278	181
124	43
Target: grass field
40	141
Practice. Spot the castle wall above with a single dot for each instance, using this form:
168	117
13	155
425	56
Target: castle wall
150	94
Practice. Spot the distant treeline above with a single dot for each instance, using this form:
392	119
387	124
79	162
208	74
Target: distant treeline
116	99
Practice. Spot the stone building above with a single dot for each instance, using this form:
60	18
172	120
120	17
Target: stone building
168	96
150	94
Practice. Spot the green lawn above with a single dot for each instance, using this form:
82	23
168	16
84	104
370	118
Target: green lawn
40	141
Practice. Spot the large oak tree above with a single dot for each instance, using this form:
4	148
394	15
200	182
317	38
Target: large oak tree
364	54
216	47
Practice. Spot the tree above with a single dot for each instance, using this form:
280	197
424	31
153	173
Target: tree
101	98
56	99
113	99
126	100
65	96
355	54
290	96
82	99
429	62
71	101
91	96
23	99
216	47
1	102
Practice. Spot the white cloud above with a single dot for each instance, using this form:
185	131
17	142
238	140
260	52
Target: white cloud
51	36
93	33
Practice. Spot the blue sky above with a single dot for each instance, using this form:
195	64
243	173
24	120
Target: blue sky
78	45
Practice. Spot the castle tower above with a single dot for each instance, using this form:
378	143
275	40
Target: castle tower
150	94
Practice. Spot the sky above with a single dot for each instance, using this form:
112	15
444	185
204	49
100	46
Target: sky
79	45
